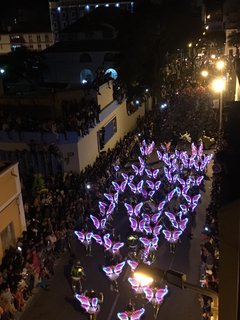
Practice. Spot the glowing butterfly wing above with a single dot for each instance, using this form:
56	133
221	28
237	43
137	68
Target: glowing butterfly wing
103	223
183	224
138	208
155	217
176	235
142	150
132	187
146	218
151	193
157	230
199	180
196	198
115	197
131	177
200	150
122	316
183	208
134	223
187	197
177	153
145	241
139	186
194	149
141	170
85	304
180	180
125	176
155	242
129	208
123	185
161	293
170	215
133	264
148	293
157	184
175	177
163	147
178	191
89	236
137	314
171	194
95	221
185	190
110	209
147	229
155	173
149	173
133	282
159	155
116	186
102	207
80	235
197	167
94	302
118	268
150	184
141	161
107	241
161	205
167	234
141	225
97	238
108	271
135	168
108	196
117	246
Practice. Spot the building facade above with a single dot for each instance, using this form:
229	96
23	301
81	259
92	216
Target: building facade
33	41
65	12
12	218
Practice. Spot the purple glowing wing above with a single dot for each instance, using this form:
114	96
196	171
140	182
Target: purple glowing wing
163	147
133	282
116	186
157	184
146	218
176	235
122	316
145	241
138	208
192	206
185	190
157	230
196	198
200	149
135	168
80	235
118	268
155	217
149	173
175	177
161	293
180	180
178	191
94	302
197	167
166	160
108	271
187	197
110	209
117	246
133	223
148	293
108	196
141	225
132	187
123	185
103	223
115	197
125	176
102	207
131	178
167	234
155	173
97	238
142	150
95	221
155	242
203	165
151	193
144	193
159	154
107	241
170	195
194	149
183	224
150	184
161	205
85	304
177	153
141	161
129	208
89	236
147	229
141	170
183	208
137	314
139	186
116	168
133	264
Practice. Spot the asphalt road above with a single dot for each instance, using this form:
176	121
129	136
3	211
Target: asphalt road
58	301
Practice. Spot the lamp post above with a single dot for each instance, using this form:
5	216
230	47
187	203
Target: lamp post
218	85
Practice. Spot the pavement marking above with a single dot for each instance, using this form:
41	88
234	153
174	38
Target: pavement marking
113	307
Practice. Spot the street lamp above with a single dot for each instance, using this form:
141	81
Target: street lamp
143	279
220	64
218	85
204	73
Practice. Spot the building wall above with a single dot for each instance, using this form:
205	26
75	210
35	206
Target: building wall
32	41
237	90
12	218
229	49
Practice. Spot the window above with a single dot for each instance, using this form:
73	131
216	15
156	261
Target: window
38	38
39	46
31	46
46	37
86	75
85	57
30	38
112	73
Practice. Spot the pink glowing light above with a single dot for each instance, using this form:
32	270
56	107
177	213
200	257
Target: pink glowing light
159	155
89	304
113	272
155	296
137	225
98	238
110	246
133	210
172	236
136	286
133	315
133	264
98	224
161	205
85	238
155	230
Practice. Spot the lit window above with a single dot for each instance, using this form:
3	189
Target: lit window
112	73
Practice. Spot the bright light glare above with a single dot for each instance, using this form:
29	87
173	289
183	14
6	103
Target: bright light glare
220	64
204	73
218	85
2	71
88	186
142	279
213	56
190	45
208	16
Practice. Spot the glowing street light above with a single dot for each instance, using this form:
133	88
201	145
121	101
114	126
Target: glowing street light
143	279
204	73
206	27
208	16
190	45
218	86
220	64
